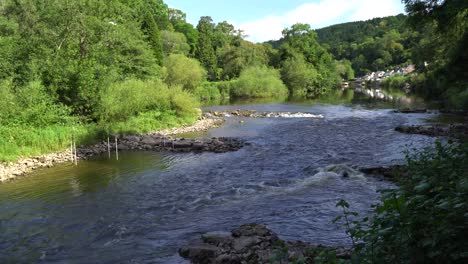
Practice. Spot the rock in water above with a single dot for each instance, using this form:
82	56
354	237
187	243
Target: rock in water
250	243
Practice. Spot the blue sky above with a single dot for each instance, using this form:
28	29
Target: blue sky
264	19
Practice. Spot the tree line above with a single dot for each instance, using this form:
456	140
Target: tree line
83	63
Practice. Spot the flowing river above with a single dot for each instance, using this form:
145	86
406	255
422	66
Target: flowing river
143	207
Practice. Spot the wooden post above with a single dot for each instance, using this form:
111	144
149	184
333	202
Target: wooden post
108	147
71	150
76	158
116	149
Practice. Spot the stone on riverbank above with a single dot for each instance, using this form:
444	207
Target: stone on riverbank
250	243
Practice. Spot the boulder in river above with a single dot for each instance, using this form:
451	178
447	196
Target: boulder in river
250	243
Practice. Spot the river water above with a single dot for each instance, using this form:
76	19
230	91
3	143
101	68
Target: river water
142	208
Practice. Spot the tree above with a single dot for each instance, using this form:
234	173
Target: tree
259	82
443	47
184	71
233	59
300	46
154	37
205	51
299	77
174	42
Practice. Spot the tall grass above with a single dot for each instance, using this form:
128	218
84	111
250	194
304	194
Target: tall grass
24	141
33	124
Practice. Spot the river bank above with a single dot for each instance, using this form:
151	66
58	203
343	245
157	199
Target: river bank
157	141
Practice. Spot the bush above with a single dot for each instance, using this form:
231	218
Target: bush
208	91
258	82
184	71
423	221
394	82
31	105
121	101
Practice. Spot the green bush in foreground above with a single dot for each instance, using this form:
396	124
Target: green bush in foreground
422	221
259	82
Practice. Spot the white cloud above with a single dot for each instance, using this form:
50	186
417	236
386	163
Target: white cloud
319	14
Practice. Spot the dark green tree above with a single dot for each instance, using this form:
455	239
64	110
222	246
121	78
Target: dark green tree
205	51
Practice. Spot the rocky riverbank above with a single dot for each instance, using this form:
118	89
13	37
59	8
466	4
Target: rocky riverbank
251	243
438	130
255	114
155	141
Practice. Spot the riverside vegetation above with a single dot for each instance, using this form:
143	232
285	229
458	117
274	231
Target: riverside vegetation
86	70
89	69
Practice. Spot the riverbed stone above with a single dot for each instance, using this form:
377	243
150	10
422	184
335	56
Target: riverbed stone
250	243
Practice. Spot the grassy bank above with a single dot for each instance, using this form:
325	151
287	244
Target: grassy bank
26	141
32	123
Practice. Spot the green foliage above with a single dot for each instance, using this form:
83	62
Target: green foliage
174	43
345	69
370	45
395	82
122	101
208	91
258	82
154	37
424	220
30	105
178	20
214	91
149	121
205	50
316	71
234	58
25	141
300	78
184	71
441	52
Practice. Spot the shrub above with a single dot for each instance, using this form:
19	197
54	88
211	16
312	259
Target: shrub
394	82
184	71
258	82
423	221
30	105
122	101
208	91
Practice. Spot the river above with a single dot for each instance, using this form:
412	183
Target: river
143	207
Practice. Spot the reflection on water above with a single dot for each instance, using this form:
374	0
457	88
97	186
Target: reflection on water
373	98
141	208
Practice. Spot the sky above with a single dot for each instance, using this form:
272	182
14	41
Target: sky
264	20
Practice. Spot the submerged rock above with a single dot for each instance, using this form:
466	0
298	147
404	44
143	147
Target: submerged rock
250	243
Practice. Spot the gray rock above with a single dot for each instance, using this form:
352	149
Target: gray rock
201	254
